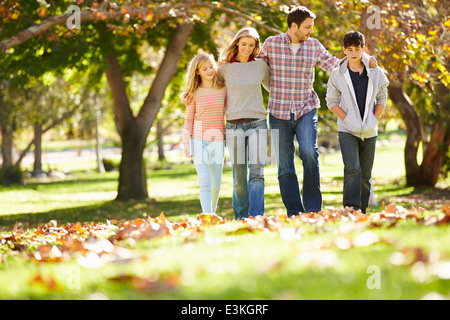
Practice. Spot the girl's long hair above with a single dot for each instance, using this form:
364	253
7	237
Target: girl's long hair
231	50
193	79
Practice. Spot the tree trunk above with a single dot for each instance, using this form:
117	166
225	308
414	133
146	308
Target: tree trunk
427	173
434	155
132	178
7	174
134	131
167	70
413	132
37	167
100	167
160	140
132	175
7	146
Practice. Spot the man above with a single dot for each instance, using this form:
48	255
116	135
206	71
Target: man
292	105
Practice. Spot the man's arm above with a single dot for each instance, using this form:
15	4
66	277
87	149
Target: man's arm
326	60
373	63
266	80
264	54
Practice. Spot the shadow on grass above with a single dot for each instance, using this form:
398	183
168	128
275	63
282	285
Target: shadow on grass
174	206
109	210
55	184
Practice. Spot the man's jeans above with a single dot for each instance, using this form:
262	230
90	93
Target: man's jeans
208	159
283	134
247	144
358	156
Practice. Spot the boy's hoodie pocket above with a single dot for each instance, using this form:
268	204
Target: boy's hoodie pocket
351	122
372	125
372	121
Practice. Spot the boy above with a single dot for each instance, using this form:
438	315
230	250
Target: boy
357	95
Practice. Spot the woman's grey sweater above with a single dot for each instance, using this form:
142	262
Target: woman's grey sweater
244	94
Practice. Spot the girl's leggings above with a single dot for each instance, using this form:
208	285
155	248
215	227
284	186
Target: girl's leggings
208	160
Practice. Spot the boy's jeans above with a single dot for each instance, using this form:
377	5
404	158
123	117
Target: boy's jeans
208	159
358	156
283	133
247	144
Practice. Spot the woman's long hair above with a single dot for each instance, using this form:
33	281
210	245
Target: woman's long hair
231	50
193	79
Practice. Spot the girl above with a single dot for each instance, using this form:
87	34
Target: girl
246	128
204	128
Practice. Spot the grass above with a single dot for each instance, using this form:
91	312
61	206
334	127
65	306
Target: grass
211	262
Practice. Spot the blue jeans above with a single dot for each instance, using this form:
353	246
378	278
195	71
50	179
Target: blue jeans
283	134
358	156
247	144
208	160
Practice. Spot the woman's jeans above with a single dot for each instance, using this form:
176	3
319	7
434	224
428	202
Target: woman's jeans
283	134
208	160
247	144
358	156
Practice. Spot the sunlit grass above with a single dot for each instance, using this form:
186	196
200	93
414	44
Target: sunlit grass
210	263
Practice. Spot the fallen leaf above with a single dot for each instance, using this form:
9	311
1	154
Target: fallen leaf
159	283
48	282
210	219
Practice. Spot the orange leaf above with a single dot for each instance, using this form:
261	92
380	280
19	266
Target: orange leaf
446	209
49	283
165	283
212	218
162	218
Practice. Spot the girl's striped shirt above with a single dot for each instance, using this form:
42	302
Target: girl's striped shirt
205	118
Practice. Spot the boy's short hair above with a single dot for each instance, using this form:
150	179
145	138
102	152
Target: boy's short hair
354	38
298	15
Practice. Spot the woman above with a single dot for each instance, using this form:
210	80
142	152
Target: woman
246	127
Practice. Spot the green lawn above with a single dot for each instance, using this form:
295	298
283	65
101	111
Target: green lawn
306	258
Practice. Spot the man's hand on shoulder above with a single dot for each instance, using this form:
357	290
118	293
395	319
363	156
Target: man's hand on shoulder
373	63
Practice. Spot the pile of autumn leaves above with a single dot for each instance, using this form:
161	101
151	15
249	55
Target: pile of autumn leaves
94	245
53	243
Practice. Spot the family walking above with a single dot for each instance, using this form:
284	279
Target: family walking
284	65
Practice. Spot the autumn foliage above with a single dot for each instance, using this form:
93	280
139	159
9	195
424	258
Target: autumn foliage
93	246
101	242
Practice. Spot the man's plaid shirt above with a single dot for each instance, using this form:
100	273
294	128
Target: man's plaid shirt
292	76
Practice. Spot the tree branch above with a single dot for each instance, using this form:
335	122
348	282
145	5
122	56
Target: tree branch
52	125
166	71
237	13
86	15
122	110
38	29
